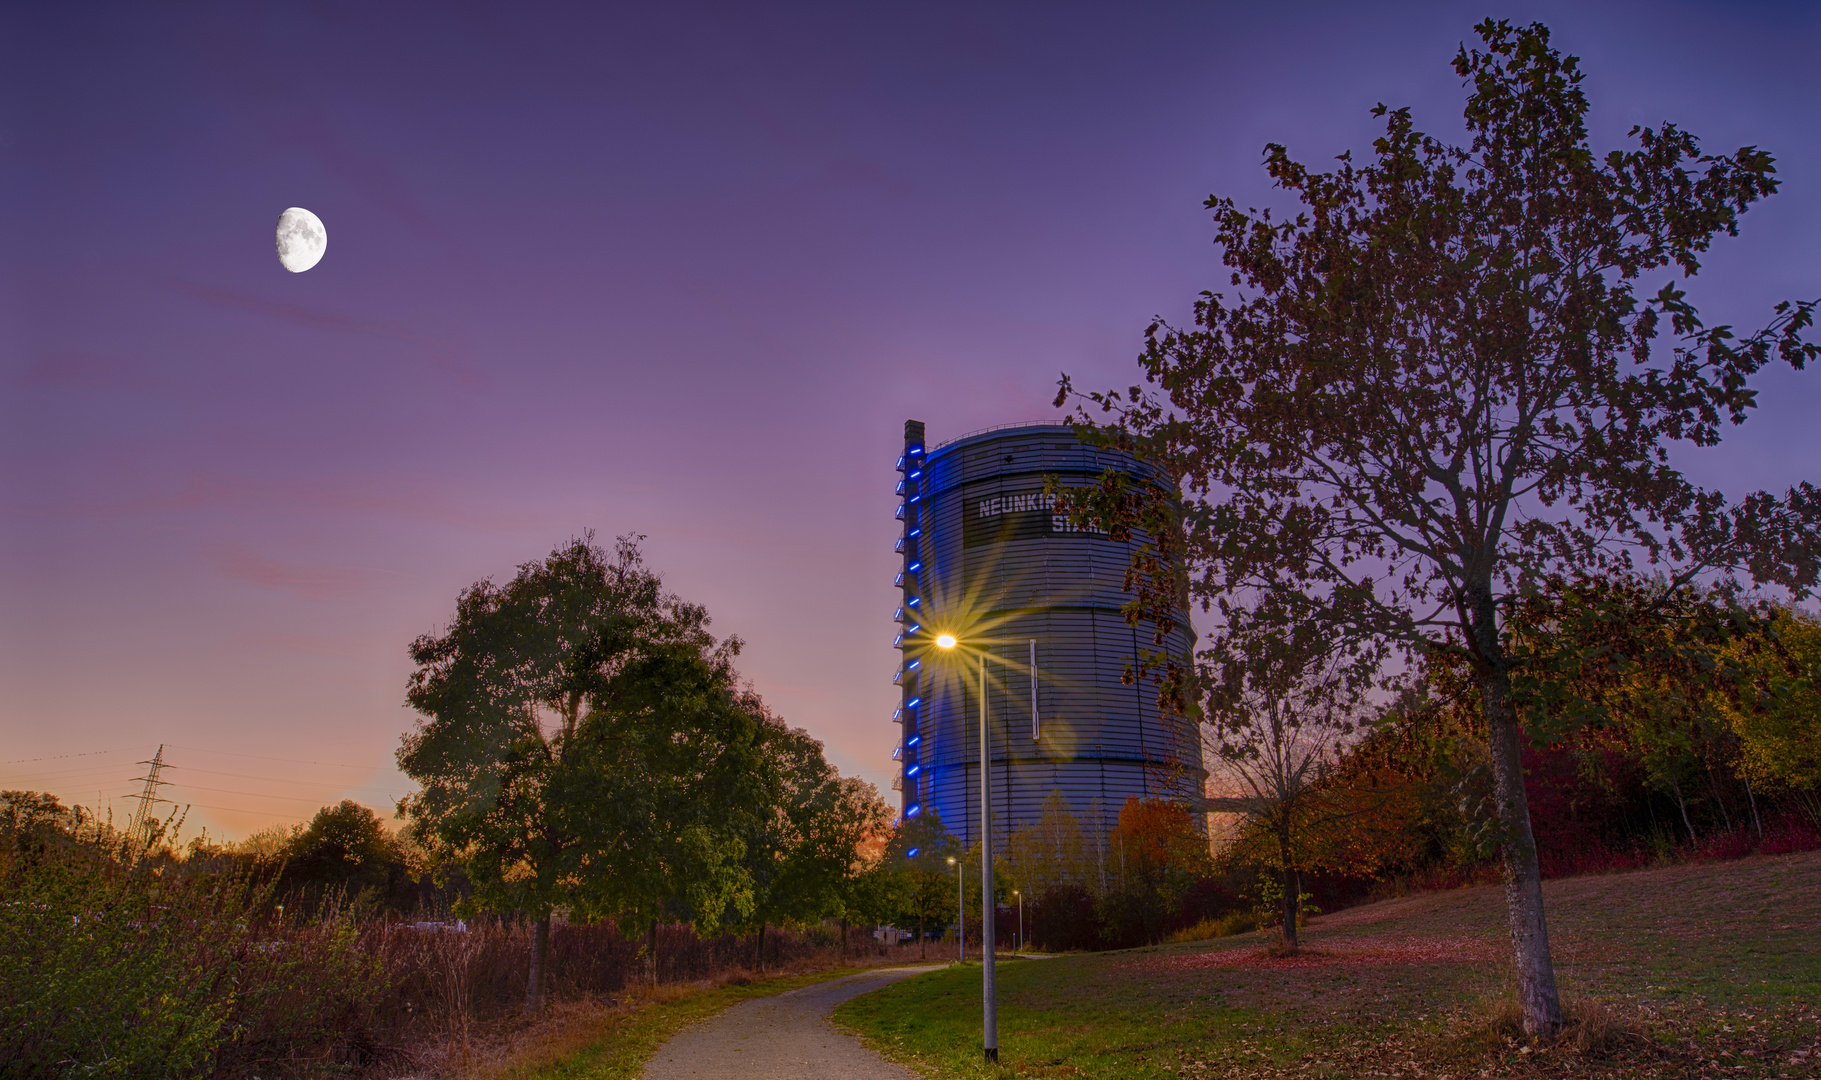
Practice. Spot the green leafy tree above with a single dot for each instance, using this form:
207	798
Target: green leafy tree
577	744
920	882
1781	741
32	823
869	892
803	854
669	786
1441	380
1634	663
346	850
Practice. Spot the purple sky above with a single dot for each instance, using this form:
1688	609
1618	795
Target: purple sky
667	269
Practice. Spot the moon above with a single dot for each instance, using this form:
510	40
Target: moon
301	239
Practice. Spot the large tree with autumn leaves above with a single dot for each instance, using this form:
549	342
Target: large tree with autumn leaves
1446	377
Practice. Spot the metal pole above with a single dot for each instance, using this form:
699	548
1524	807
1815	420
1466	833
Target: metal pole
1036	724
960	914
1021	920
988	990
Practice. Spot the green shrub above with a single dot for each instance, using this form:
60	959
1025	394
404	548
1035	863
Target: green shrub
111	968
104	973
1234	922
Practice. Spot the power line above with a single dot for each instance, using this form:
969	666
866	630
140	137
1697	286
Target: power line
173	746
266	779
232	809
62	774
85	753
261	794
268	757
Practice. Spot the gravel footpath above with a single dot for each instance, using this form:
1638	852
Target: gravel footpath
788	1035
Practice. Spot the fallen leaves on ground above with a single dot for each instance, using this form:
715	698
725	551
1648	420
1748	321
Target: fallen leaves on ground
1456	948
1682	1043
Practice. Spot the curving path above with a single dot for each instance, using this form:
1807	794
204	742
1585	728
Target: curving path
786	1036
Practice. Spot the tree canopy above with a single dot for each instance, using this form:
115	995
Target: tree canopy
581	747
803	854
1782	738
919	884
346	850
1442	380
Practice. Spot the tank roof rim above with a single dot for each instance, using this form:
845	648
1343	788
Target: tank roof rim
998	429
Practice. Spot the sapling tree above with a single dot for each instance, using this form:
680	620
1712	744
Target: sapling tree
1443	379
1279	714
919	876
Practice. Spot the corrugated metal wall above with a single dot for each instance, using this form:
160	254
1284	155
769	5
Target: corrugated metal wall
1000	569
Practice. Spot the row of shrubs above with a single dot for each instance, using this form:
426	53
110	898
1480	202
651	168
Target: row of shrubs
1234	900
1784	833
115	966
111	970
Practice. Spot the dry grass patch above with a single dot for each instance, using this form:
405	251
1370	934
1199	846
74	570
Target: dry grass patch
1590	1026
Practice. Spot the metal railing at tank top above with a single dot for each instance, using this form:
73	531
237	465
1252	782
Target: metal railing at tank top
1000	427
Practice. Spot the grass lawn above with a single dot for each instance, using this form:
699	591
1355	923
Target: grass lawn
1699	970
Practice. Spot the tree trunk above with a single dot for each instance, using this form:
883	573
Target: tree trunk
651	950
1752	799
1292	905
761	967
534	987
1538	1000
1713	785
922	944
1291	900
1682	805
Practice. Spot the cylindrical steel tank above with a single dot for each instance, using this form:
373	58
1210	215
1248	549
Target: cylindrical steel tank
988	560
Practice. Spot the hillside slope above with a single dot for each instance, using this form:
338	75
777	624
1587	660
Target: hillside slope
1696	970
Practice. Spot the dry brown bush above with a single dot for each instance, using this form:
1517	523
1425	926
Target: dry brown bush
1590	1026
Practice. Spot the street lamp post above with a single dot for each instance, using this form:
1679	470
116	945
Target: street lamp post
989	990
1018	942
960	913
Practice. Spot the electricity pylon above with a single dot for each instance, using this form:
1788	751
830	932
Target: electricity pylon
141	826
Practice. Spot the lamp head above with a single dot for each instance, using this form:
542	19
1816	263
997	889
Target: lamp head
951	860
945	641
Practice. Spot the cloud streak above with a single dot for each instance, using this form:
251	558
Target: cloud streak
400	499
310	580
445	357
